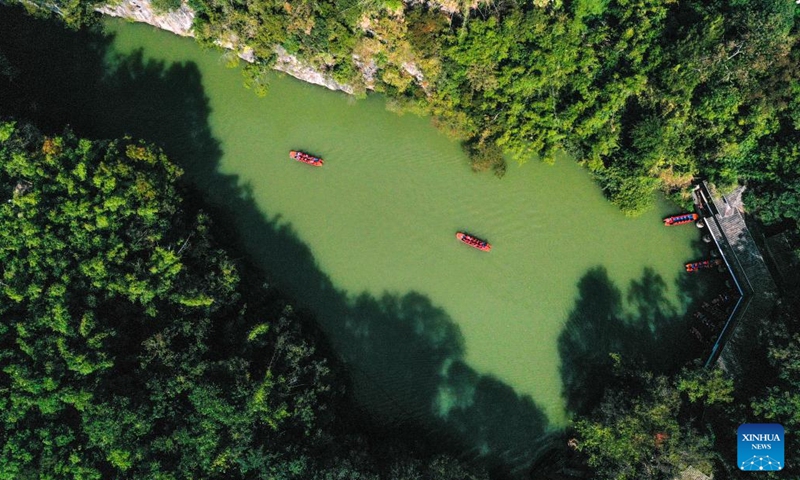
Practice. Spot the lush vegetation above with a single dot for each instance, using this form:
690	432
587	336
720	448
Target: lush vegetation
111	296
134	347
777	400
650	427
648	94
656	426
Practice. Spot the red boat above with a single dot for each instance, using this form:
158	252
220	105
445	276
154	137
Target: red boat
695	266
306	158
474	241
680	219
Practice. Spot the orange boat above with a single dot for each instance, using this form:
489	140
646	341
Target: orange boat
474	242
695	266
306	158
680	219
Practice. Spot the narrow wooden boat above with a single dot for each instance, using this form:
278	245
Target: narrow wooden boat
680	219
473	241
306	158
695	266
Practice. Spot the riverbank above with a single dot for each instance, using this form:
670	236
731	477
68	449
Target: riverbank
490	351
180	23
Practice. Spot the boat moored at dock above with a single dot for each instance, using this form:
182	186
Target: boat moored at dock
306	158
680	219
695	266
474	241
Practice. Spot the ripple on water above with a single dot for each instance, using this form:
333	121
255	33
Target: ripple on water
465	340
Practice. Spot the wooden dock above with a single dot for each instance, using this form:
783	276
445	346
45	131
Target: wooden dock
723	215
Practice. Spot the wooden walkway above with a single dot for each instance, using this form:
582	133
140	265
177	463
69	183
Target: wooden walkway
726	224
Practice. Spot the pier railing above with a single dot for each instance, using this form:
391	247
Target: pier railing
743	259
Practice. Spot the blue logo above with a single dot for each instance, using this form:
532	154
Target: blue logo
760	447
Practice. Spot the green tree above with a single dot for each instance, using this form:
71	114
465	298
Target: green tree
134	347
111	293
646	429
780	401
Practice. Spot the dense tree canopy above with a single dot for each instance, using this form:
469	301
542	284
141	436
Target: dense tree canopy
133	347
648	94
110	297
780	402
75	13
647	426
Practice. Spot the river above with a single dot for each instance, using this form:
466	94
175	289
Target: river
496	349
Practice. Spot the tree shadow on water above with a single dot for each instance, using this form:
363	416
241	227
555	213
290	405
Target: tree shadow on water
643	325
404	354
73	78
404	357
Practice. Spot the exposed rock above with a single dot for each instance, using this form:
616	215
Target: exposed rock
692	473
21	188
176	21
450	7
368	69
245	53
180	22
412	69
294	67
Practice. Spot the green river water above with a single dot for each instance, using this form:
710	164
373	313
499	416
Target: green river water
493	349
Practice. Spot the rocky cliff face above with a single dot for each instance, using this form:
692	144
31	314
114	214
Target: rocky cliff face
180	22
177	21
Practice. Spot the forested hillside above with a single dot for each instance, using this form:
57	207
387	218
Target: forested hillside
647	94
132	346
128	343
